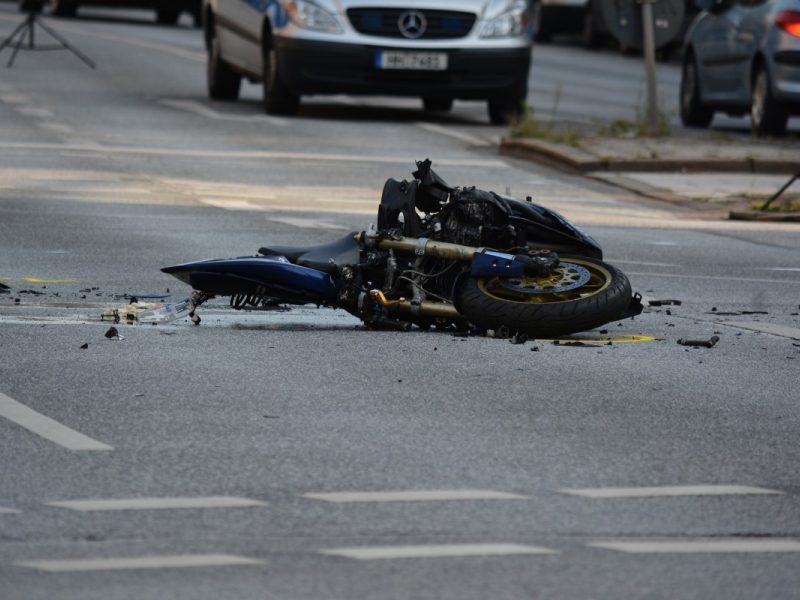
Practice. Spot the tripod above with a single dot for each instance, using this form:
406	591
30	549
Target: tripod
27	29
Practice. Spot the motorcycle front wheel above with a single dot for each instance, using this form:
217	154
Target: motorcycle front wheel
580	294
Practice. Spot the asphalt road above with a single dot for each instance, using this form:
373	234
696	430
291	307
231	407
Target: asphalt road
294	455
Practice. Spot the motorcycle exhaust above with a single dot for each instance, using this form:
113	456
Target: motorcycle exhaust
427	309
420	247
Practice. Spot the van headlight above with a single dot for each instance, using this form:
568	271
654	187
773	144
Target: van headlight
308	15
509	23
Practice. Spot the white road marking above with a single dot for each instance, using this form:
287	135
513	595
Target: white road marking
702	546
204	111
414	496
670	490
770	328
452	133
56	127
32	111
15	99
8	511
140	562
663	243
436	551
100	504
793	269
244	154
46	427
307	223
732	279
231	204
638	262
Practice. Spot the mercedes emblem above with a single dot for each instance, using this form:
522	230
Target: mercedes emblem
412	24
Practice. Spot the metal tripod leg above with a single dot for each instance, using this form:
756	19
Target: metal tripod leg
9	39
67	46
20	41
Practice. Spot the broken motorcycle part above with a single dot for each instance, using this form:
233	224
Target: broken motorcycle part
709	343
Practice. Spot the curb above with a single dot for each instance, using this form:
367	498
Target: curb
754	215
575	159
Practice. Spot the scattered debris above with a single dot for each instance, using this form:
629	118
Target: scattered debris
138	395
4	289
754	312
519	338
535	349
709	343
665	302
113	334
34	292
603	331
84	347
714	311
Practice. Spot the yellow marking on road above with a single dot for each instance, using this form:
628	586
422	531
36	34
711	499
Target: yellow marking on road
632	338
45	280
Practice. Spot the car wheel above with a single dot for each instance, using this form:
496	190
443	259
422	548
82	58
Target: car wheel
223	82
64	8
767	115
589	35
503	111
693	112
437	104
541	29
278	98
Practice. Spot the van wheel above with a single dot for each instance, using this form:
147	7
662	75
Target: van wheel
223	82
503	110
167	16
278	98
437	104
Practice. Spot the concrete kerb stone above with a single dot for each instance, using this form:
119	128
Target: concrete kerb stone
574	159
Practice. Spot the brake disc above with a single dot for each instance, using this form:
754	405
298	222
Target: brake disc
566	277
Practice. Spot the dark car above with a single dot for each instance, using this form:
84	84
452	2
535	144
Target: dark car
740	56
167	11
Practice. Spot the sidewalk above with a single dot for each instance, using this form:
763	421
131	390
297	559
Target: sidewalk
723	171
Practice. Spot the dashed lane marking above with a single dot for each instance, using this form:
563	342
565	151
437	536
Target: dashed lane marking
770	328
671	490
140	562
33	111
15	99
46	427
414	496
204	111
436	551
453	133
4	510
736	545
100	504
792	269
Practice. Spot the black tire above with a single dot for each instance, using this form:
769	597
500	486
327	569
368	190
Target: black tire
223	82
693	112
168	15
590	37
602	299
64	8
278	98
767	115
503	110
542	28
435	104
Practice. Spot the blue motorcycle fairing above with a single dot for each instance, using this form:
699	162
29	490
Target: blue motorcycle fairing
260	275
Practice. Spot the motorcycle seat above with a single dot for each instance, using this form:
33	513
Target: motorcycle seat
322	257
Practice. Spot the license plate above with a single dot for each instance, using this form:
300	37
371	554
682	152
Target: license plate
412	61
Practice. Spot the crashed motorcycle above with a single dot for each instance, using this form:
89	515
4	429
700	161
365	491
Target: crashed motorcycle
443	256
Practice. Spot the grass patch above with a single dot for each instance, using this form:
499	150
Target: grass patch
781	205
528	126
